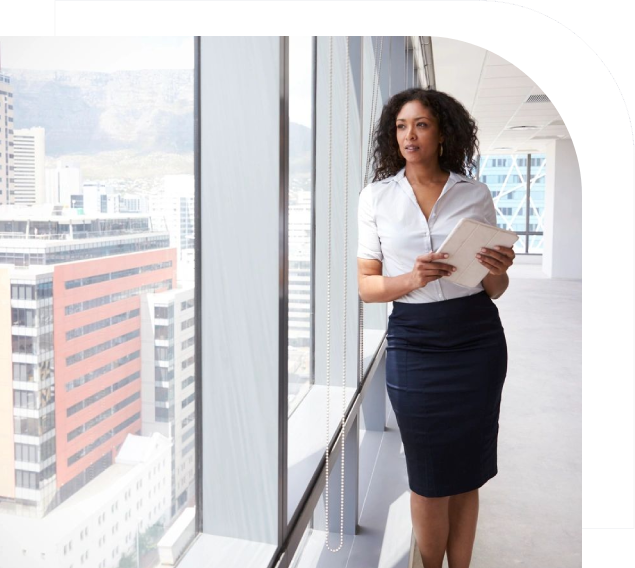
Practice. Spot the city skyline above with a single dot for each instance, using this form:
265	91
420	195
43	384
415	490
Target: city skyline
97	316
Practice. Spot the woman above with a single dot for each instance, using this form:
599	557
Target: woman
447	354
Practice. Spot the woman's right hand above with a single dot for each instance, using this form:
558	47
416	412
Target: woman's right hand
426	270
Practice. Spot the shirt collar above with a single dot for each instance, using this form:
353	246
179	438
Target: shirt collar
454	177
402	182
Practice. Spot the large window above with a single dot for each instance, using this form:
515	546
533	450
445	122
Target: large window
301	187
517	183
93	226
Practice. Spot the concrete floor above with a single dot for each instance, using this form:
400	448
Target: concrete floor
530	513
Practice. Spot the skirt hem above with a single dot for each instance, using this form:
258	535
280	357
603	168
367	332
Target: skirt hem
457	491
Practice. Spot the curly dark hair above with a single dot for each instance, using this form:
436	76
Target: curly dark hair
460	145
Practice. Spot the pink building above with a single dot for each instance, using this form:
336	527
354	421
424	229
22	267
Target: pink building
97	342
70	297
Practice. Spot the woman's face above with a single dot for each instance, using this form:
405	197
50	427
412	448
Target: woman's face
418	133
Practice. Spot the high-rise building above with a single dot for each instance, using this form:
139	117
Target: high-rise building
64	185
167	372
172	206
6	140
28	160
71	290
517	183
99	198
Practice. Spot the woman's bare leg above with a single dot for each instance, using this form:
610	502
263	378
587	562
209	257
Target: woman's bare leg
430	522
463	514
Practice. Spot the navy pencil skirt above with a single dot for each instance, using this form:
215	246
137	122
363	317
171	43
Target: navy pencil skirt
446	364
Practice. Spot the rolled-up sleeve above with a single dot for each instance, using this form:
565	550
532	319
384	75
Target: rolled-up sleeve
489	209
368	245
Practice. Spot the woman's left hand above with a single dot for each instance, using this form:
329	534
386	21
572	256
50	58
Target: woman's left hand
497	260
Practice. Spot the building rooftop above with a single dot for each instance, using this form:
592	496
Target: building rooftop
63	521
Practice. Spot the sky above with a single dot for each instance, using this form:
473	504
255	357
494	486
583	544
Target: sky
108	54
117	53
96	53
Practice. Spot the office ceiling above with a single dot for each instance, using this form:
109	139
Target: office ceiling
499	96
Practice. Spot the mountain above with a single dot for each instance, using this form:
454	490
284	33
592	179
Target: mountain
126	124
89	112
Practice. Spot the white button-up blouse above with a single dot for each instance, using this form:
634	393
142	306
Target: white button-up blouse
393	229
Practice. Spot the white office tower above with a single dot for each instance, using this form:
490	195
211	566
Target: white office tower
28	161
172	209
64	185
6	140
168	382
99	198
